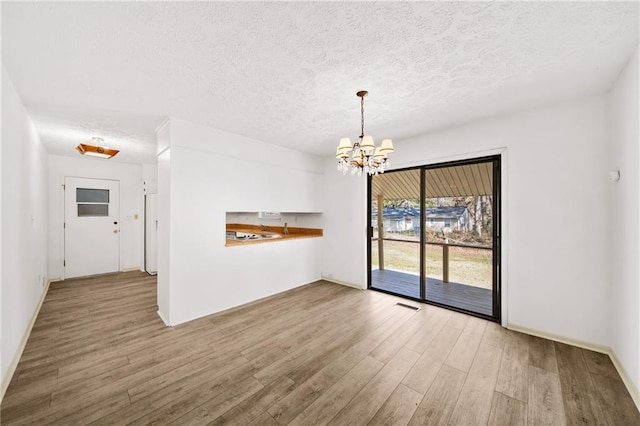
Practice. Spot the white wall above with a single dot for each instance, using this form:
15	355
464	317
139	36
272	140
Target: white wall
164	223
212	172
24	225
301	220
555	212
131	204
150	178
149	186
344	252
2	371
625	227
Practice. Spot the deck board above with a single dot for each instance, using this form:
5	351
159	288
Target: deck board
469	298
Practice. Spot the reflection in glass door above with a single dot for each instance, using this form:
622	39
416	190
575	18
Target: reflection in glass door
436	237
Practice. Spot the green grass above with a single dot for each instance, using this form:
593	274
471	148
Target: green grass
466	265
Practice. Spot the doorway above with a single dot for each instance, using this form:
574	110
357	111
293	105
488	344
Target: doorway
435	235
91	226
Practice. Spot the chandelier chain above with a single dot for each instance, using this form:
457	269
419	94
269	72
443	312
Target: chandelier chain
362	117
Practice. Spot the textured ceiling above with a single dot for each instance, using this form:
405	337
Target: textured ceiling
287	73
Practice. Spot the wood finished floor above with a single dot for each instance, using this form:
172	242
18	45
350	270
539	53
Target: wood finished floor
319	354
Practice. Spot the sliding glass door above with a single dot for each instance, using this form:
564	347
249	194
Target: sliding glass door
435	234
395	239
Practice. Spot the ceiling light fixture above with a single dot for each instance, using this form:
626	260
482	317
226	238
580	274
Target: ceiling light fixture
96	150
363	156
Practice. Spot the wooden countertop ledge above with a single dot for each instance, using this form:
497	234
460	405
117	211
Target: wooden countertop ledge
294	233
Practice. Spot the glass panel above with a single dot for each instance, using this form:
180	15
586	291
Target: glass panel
89	210
86	195
434	261
458	236
395	247
472	266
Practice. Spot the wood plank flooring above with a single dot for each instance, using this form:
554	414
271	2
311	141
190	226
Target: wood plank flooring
319	354
469	298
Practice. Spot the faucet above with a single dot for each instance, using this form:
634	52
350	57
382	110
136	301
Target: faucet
285	231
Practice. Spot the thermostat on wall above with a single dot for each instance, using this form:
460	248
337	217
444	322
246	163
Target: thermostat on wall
268	215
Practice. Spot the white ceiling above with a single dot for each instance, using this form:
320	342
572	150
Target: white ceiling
287	73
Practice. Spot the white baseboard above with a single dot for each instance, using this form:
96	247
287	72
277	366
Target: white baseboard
332	280
16	358
607	350
562	339
631	387
163	320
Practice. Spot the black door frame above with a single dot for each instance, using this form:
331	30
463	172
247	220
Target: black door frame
497	223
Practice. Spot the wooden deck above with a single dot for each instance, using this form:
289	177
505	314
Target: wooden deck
469	298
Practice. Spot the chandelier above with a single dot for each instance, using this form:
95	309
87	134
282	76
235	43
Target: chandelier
363	155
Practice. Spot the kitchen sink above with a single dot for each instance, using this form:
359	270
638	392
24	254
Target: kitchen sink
243	236
269	236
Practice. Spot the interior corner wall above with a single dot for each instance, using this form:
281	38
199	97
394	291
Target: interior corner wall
131	206
344	252
624	284
208	173
556	220
24	225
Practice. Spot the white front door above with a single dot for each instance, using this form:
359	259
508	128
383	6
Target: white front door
91	228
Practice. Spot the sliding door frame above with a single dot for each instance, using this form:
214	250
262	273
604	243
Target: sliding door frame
496	234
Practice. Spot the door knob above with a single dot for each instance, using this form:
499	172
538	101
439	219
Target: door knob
115	223
115	231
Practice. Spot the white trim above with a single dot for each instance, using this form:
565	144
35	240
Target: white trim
163	320
562	339
626	379
163	151
23	343
631	387
332	280
162	124
135	268
504	236
62	229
